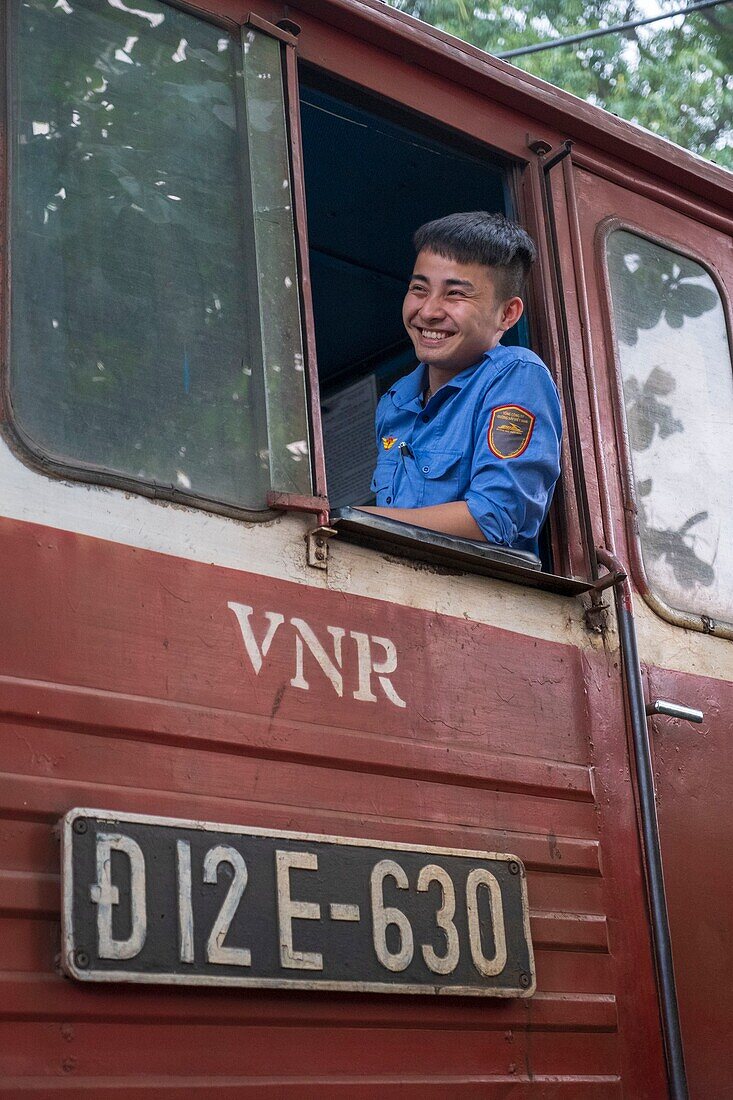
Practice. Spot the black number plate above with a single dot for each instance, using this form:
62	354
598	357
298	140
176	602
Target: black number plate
152	899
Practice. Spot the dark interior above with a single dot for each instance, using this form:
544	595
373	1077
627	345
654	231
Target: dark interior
370	183
372	177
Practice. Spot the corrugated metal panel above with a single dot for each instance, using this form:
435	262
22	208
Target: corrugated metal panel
492	751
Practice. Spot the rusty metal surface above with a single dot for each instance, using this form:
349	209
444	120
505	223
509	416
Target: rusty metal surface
591	375
553	231
304	281
666	194
224	906
649	827
542	318
694	779
692	763
5	174
424	46
295	502
126	682
710	251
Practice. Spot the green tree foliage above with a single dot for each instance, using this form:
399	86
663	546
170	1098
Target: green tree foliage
673	77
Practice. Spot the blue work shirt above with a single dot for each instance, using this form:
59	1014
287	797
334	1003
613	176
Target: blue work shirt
490	436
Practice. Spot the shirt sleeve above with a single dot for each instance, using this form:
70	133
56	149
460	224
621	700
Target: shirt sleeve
386	462
516	455
379	418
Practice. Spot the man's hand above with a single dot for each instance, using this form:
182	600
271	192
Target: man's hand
450	519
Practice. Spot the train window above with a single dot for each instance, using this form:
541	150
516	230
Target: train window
373	175
155	328
677	380
371	180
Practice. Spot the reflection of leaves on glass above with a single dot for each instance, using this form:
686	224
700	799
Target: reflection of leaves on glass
652	283
262	115
669	357
131	332
676	546
645	413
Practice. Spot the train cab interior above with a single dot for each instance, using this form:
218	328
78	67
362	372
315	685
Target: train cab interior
372	177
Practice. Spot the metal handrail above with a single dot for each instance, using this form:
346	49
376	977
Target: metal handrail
661	939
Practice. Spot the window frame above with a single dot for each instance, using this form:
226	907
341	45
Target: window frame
547	316
690	620
524	188
524	191
27	449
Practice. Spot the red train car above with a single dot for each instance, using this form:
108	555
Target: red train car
296	801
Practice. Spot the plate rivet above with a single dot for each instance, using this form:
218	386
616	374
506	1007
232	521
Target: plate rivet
80	825
82	959
513	867
524	981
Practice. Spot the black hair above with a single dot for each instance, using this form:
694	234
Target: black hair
478	237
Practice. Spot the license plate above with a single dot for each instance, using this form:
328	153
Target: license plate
161	900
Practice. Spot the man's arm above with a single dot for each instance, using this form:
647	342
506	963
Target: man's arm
450	519
514	464
516	459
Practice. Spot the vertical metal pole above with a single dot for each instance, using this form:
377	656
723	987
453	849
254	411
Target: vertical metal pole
292	104
581	289
661	939
568	385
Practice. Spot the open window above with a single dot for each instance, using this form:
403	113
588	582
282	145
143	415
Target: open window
369	183
160	335
373	175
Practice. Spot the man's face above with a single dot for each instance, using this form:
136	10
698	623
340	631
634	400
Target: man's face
452	314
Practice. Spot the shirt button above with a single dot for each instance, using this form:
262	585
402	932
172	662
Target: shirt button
389	500
424	418
426	469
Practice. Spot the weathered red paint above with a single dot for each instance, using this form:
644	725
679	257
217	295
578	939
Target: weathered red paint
692	818
124	683
694	779
493	750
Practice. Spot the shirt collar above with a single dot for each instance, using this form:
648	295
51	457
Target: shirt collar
411	387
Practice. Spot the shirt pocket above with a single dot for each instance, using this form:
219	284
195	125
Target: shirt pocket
383	481
441	474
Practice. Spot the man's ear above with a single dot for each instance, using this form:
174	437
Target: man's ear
511	311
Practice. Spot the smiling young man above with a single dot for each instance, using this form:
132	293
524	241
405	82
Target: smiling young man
469	442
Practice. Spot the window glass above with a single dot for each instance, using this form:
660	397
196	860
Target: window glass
678	393
155	321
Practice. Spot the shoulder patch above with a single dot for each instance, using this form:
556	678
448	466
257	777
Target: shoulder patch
388	441
510	430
